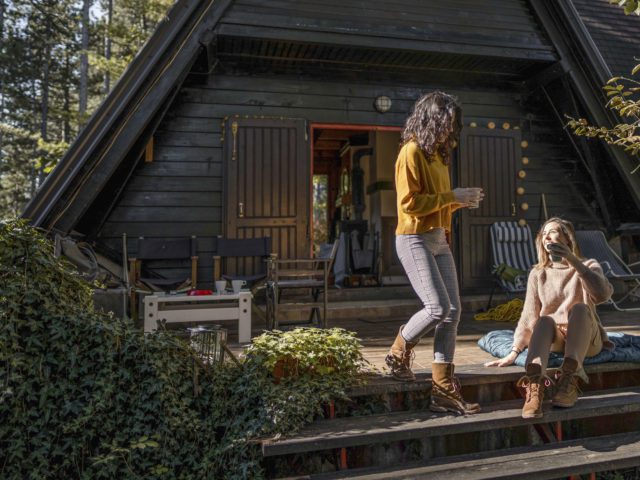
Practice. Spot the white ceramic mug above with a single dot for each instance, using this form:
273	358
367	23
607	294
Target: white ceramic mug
237	285
221	286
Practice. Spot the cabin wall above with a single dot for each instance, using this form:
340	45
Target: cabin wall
180	193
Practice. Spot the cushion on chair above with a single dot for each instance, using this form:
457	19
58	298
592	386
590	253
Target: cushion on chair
509	233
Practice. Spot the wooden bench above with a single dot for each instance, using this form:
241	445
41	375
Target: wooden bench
200	308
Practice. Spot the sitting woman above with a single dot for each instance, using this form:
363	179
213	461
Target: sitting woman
559	315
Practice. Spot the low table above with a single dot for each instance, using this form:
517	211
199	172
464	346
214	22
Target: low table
200	308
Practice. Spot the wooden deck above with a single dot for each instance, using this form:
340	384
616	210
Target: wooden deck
377	322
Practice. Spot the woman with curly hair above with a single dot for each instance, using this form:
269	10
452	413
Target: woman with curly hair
559	315
425	202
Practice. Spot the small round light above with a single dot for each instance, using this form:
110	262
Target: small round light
522	174
506	126
525	160
524	144
524	206
522	222
382	104
491	125
473	124
520	190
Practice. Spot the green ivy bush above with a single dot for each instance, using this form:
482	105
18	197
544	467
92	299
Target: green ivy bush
86	395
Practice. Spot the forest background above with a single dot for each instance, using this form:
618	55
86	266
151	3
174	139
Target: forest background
58	61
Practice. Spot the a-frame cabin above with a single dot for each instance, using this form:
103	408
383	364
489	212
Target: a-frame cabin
232	108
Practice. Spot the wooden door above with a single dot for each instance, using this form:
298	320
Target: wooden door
486	158
268	183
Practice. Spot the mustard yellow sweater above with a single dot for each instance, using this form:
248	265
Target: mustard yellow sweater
424	196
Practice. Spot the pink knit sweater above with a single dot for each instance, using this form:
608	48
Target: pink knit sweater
553	290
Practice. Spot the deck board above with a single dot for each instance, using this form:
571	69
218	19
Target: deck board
353	431
556	460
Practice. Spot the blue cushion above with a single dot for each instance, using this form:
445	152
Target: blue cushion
499	342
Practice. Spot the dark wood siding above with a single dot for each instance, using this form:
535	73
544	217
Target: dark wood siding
180	192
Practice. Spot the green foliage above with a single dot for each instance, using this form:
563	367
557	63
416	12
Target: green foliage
630	6
86	395
310	350
624	100
40	57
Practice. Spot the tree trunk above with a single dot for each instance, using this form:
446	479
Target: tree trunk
66	130
2	72
84	61
44	103
107	47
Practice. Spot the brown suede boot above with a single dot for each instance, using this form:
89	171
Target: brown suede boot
567	384
445	391
534	384
400	357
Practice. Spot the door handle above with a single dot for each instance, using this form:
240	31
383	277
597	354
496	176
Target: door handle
513	209
241	210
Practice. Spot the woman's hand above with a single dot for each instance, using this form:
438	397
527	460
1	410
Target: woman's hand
563	251
503	362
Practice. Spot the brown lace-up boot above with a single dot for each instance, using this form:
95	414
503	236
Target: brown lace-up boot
400	358
567	384
534	384
445	391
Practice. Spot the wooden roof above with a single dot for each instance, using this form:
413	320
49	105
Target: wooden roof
614	34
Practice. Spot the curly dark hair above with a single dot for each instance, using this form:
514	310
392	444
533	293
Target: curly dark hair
434	124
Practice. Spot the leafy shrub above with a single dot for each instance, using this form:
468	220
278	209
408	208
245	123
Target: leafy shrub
86	395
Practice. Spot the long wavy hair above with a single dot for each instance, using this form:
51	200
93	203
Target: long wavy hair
434	124
567	228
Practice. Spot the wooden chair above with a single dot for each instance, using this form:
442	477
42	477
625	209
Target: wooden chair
301	273
155	257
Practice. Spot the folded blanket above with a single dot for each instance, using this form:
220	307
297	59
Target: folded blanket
627	348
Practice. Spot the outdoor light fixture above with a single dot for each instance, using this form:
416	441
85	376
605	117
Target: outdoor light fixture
382	103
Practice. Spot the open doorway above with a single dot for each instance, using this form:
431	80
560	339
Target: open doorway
353	200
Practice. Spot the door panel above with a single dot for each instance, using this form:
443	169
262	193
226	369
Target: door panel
487	159
268	183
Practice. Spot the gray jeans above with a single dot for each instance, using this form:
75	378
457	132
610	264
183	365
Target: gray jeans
429	264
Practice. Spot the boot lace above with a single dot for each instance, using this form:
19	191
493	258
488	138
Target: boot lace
531	384
408	356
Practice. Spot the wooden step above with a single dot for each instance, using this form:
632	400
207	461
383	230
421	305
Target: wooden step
478	375
373	429
575	457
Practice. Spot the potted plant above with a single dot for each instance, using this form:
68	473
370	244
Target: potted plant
308	351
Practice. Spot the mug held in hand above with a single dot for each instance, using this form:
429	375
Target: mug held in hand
554	258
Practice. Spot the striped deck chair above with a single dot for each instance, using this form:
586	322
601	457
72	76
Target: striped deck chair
593	244
511	245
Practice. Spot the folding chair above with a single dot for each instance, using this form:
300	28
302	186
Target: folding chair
243	259
156	256
593	244
301	273
511	245
250	255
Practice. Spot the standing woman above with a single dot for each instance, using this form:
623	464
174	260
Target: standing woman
425	203
559	315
